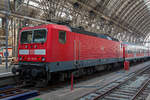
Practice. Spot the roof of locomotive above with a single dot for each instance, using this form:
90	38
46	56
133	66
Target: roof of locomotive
61	27
82	31
71	29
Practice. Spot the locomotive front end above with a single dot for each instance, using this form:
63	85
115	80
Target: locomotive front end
32	54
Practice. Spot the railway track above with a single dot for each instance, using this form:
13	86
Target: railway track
53	86
14	93
142	95
135	86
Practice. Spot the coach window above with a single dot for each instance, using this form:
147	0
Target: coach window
62	37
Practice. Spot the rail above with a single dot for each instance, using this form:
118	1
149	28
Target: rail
12	93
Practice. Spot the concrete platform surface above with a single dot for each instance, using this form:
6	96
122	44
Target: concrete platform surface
5	72
148	98
87	86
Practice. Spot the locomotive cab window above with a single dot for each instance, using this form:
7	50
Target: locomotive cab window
26	37
62	37
34	36
39	36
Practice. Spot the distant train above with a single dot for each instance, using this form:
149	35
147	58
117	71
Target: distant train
55	51
3	51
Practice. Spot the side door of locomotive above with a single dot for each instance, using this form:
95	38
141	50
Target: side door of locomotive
67	48
76	50
65	44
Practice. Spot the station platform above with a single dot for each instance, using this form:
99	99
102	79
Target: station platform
148	98
6	76
83	88
5	72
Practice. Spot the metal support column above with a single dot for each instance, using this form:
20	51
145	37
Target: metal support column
7	2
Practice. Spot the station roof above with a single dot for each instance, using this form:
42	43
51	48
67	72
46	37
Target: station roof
126	20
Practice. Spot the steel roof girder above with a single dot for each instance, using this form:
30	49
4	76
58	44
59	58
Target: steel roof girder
143	17
124	14
139	9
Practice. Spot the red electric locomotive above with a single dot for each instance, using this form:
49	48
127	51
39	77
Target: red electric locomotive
52	50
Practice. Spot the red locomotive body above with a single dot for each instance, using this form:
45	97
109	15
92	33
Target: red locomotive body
61	45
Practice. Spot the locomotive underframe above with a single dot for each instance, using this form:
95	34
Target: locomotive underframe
34	71
31	72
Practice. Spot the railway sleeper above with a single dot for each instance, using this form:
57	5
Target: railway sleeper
123	93
113	98
120	95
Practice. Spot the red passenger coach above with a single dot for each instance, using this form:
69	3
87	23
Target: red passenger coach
47	50
135	52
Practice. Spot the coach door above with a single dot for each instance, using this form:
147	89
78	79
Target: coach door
124	51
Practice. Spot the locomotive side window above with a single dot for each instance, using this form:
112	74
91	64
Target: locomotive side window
62	37
26	37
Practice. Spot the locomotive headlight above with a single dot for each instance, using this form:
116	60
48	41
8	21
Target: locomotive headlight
26	46
20	58
43	59
35	46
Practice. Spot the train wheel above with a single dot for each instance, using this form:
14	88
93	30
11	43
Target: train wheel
44	82
62	77
41	83
109	67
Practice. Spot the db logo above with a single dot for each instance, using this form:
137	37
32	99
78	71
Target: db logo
31	52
